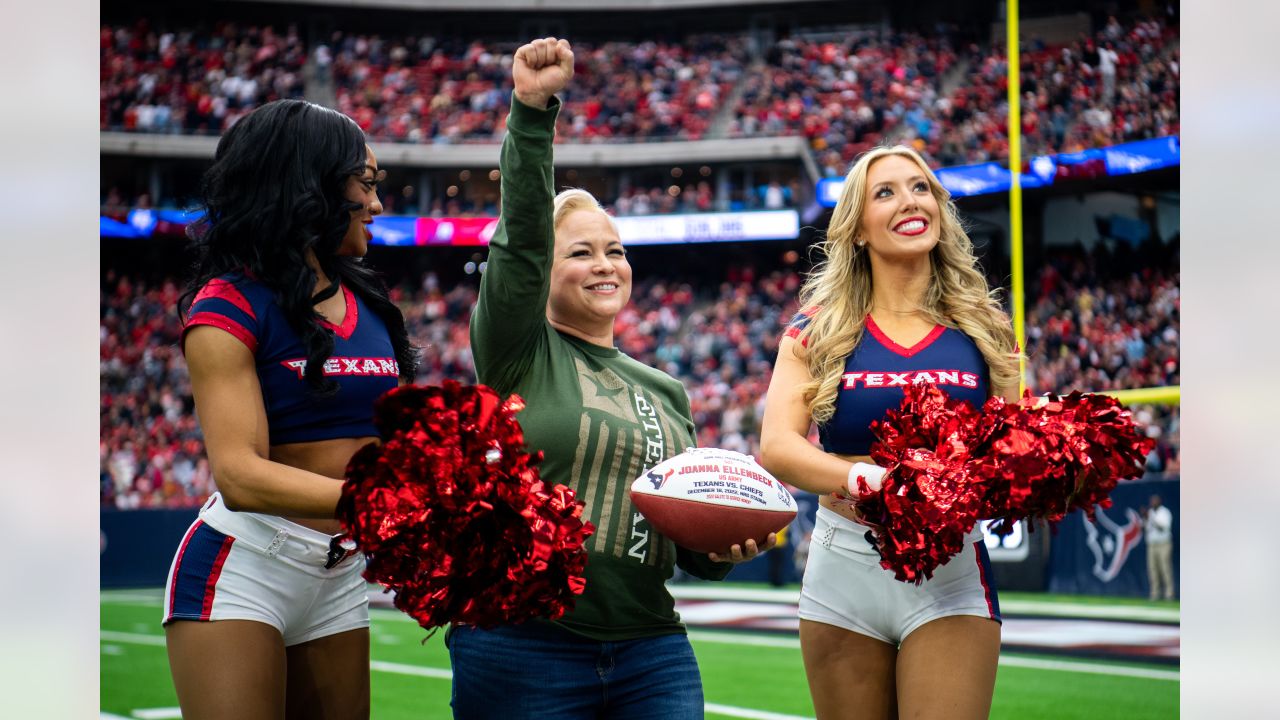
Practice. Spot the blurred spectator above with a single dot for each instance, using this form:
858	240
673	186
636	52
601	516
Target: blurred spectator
194	80
151	449
1108	321
943	96
1094	327
1118	85
424	89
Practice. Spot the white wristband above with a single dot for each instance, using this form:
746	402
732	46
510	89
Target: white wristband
872	474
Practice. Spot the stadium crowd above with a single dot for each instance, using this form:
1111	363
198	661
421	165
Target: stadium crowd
1109	321
843	92
420	89
843	96
151	450
1096	329
1088	328
1118	85
194	81
702	196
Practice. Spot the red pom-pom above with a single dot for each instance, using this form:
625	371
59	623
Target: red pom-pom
1046	460
920	516
951	465
452	515
928	501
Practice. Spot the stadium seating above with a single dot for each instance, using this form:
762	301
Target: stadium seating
843	91
194	80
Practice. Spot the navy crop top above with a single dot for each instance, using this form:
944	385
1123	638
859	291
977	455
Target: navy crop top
877	370
363	361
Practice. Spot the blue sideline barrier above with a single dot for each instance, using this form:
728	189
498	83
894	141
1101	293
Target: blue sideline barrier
138	545
1109	557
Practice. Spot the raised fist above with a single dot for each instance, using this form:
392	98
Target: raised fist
541	69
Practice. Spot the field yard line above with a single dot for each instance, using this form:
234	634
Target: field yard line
135	638
158	713
441	674
744	639
403	669
390	614
1009	606
1080	610
131	597
1095	668
738	712
729	638
699	592
1009	660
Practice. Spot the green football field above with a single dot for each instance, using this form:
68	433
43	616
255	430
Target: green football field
745	675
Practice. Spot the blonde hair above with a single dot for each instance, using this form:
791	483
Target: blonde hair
838	291
572	200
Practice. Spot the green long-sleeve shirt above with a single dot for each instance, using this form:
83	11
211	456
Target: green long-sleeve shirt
600	418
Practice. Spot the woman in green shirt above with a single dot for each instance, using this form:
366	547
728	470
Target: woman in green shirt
557	277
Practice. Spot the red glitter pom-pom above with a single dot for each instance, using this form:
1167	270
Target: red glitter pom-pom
1044	460
928	501
951	465
452	515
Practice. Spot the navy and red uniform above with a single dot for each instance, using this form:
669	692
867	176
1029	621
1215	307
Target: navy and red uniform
261	567
363	361
844	584
878	369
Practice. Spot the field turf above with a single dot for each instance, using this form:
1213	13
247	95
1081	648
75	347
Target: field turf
745	675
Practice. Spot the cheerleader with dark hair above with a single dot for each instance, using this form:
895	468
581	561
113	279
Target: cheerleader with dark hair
289	338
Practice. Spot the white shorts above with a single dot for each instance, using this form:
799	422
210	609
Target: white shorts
845	586
246	566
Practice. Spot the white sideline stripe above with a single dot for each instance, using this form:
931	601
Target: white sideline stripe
750	640
700	592
158	713
135	638
1025	607
687	592
1094	668
392	614
1009	660
732	711
1079	610
728	710
727	638
402	669
131	597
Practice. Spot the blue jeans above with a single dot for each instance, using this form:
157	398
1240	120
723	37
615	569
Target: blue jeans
540	672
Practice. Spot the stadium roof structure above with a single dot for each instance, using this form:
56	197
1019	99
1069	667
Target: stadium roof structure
469	155
540	5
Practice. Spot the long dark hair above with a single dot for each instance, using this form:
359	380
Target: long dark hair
277	188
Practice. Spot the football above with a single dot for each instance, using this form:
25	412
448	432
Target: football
706	499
